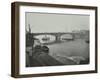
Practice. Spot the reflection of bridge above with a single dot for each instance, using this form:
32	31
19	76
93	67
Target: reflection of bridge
57	35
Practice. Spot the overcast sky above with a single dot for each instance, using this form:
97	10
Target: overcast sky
42	22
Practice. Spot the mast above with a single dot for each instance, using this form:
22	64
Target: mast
29	28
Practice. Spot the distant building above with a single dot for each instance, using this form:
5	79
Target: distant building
81	34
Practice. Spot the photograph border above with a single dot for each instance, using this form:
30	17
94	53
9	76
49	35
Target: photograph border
15	33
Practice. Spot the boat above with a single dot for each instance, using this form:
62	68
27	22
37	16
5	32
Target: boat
46	38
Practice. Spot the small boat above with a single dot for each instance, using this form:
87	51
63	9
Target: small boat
46	38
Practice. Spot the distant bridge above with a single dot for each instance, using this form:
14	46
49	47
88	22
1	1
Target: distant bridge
57	35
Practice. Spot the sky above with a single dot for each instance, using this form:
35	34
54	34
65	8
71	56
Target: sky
46	22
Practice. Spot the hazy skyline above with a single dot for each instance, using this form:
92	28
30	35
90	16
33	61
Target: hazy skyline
42	22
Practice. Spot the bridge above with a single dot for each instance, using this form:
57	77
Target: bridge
57	35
